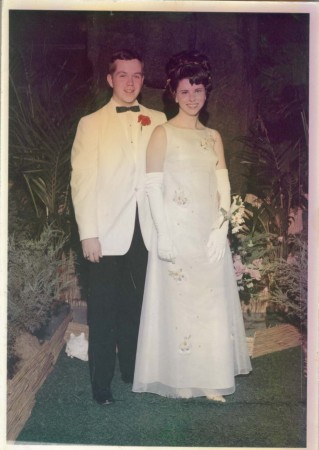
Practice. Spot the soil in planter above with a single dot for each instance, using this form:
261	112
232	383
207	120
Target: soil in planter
255	321
13	362
58	315
274	318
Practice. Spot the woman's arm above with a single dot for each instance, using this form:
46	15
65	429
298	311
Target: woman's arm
219	149
156	150
155	156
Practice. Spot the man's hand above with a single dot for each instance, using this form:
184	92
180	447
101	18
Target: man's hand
92	249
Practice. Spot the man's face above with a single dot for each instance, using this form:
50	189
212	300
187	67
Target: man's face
126	81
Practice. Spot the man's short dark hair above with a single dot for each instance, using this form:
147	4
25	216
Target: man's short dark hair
124	55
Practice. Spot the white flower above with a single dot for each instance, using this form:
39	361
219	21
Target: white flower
235	214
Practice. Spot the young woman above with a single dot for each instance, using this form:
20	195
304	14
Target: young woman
192	340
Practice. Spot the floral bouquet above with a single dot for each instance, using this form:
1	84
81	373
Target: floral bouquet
235	214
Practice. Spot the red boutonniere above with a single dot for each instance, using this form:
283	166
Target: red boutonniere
144	120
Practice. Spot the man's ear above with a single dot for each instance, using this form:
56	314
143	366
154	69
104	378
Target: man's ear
109	79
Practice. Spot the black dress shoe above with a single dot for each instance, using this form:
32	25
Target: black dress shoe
104	398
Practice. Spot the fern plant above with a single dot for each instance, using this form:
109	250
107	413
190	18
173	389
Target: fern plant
45	107
40	150
288	286
277	179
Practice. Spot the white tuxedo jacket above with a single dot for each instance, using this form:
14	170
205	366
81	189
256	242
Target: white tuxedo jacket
107	179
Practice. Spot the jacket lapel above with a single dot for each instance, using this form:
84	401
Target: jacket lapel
146	130
114	137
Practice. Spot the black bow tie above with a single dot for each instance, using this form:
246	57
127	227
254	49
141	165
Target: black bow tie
120	109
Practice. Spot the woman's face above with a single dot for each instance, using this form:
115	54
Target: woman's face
190	97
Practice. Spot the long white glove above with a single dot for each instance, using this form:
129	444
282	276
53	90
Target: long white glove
154	191
217	240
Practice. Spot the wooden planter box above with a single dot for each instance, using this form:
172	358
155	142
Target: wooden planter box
275	339
22	388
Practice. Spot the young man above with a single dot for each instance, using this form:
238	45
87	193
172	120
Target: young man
112	213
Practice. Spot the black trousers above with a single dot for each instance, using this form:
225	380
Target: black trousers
116	286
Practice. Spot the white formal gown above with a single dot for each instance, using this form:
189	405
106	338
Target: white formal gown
192	339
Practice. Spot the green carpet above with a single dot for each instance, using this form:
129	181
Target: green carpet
268	409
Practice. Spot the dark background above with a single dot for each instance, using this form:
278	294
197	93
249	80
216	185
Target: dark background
259	63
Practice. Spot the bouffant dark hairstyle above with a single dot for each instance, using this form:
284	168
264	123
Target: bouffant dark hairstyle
191	65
